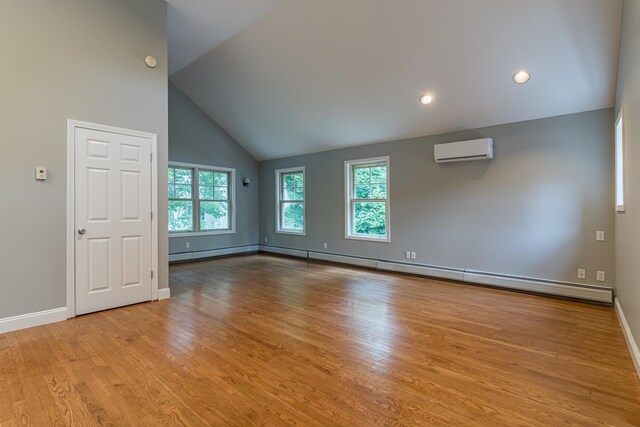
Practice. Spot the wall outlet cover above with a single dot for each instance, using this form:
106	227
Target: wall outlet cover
600	276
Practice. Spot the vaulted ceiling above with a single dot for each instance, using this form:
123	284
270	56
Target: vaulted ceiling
300	76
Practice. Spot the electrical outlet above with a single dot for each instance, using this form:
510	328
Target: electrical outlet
413	255
600	236
600	276
582	273
324	245
188	245
407	254
266	239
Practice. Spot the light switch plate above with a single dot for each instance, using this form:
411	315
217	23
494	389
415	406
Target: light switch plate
600	236
407	254
600	276
413	255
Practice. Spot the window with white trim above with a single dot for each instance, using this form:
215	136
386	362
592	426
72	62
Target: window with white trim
620	164
200	199
290	197
367	199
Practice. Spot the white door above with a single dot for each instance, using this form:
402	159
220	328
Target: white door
112	220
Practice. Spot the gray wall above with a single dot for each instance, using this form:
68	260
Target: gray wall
628	223
195	138
533	211
78	59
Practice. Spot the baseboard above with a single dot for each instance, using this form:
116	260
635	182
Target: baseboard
429	271
631	342
589	293
343	259
594	293
213	253
164	293
30	320
284	251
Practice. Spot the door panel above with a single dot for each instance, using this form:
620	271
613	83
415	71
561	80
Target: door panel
113	219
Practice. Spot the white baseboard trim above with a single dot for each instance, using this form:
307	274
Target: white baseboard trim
284	251
589	293
600	294
343	259
164	293
187	256
30	320
441	273
631	343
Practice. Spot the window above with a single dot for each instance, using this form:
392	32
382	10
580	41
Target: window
180	199
290	200
620	164
200	199
367	199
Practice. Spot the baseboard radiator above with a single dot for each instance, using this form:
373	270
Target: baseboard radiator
593	293
213	253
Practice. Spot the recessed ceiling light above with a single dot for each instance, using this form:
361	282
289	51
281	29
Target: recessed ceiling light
426	99
521	77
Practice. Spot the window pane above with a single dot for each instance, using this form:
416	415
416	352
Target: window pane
214	216
370	218
363	191
288	180
205	178
171	175
172	191
379	174
619	165
182	192
298	180
221	179
183	176
206	193
220	193
299	194
379	191
288	194
362	175
293	216
180	215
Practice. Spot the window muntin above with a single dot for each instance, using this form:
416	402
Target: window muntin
200	199
290	203
180	199
367	203
620	164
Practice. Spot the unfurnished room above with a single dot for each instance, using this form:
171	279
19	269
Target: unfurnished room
320	213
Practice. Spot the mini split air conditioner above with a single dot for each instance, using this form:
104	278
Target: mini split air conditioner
477	149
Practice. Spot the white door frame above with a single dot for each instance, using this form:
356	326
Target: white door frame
72	125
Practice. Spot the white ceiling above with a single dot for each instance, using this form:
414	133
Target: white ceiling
197	26
316	75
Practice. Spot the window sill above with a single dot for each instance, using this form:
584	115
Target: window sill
294	233
384	239
200	233
620	209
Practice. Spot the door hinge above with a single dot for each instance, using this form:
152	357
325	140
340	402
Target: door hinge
151	216
152	274
151	157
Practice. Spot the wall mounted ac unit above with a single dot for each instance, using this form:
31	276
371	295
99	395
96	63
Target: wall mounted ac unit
477	149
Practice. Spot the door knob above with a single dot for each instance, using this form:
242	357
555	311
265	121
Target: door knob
82	231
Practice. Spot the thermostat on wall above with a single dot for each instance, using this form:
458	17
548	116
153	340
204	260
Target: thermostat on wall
41	173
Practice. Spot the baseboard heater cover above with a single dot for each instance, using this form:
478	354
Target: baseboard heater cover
187	256
590	293
600	294
284	251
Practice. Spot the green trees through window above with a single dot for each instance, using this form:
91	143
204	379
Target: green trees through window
208	208
290	200
367	202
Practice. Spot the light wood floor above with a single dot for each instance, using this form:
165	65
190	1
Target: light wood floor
262	340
